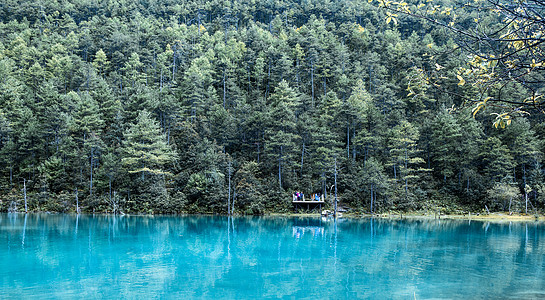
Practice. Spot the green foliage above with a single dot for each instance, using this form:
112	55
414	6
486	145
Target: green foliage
145	150
373	182
160	107
504	197
249	189
445	142
497	159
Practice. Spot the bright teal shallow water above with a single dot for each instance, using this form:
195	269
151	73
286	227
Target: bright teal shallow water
64	256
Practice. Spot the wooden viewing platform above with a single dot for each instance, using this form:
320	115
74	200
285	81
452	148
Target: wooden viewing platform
308	205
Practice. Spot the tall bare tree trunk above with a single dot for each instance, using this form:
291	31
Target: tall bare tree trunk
110	188
525	189
229	193
91	181
280	168
302	158
406	180
224	88
233	202
353	139
347	140
312	79
336	187
372	198
24	192
77	202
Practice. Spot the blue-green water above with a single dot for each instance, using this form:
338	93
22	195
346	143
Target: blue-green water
65	256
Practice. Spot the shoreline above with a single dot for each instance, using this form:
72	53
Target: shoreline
497	217
492	217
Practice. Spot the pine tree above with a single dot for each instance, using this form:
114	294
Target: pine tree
405	155
198	78
496	159
364	122
132	71
281	136
86	130
472	135
108	175
527	158
325	146
373	180
101	63
145	150
445	142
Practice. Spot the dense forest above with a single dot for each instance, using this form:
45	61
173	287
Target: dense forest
163	106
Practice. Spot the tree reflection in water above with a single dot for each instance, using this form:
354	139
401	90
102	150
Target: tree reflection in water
66	256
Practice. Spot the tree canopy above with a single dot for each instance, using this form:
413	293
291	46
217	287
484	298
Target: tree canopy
503	42
226	106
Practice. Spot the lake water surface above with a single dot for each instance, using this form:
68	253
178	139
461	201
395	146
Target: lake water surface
68	256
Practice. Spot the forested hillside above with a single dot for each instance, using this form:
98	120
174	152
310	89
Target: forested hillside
164	106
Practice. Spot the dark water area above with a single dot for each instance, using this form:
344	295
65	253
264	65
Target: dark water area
86	256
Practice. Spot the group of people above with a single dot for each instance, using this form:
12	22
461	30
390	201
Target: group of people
298	196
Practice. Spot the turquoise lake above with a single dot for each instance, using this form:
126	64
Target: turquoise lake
207	257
